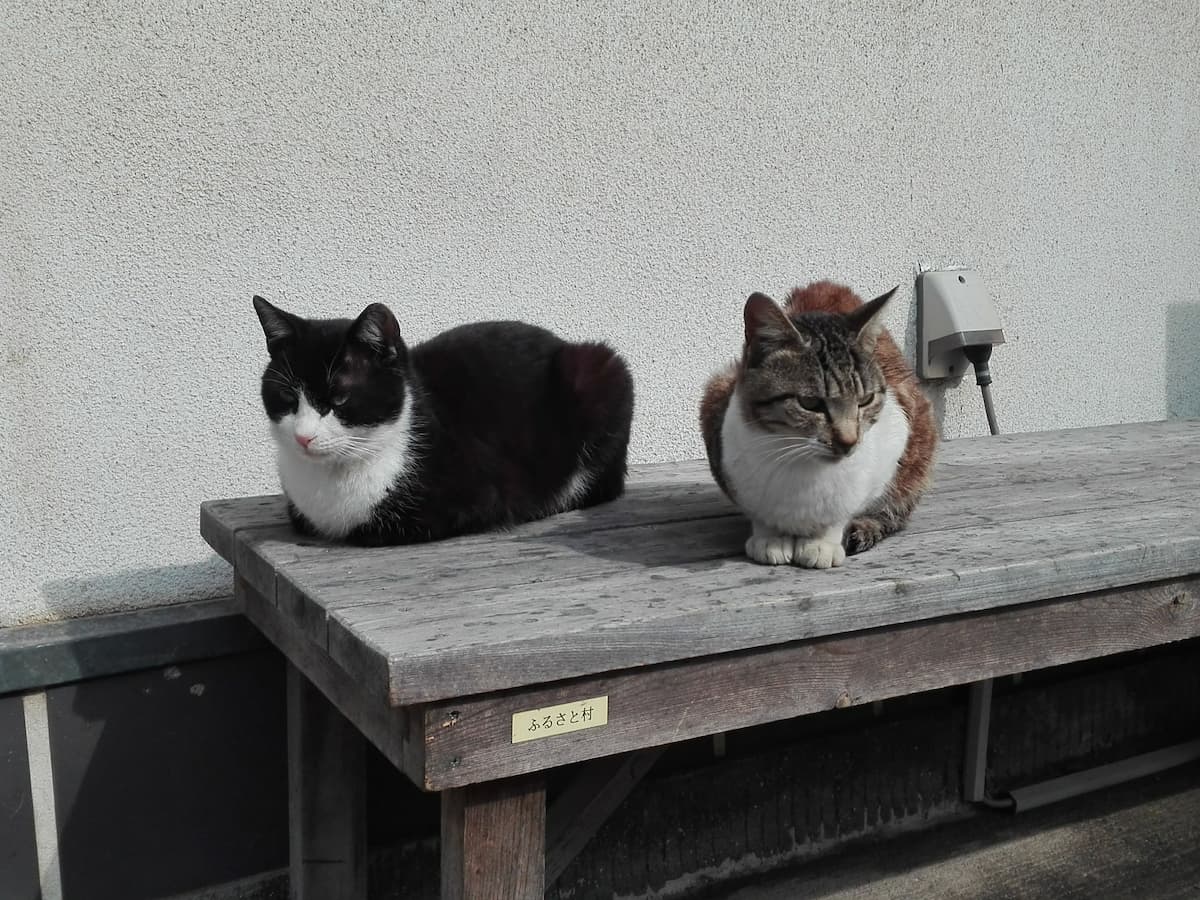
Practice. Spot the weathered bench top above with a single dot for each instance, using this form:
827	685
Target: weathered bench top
659	575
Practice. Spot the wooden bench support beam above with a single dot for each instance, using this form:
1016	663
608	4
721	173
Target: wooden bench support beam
326	798
387	728
494	840
680	701
587	803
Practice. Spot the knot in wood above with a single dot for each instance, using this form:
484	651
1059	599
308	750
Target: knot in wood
1181	603
843	700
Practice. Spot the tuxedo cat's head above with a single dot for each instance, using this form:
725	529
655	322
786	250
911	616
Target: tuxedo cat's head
333	387
813	376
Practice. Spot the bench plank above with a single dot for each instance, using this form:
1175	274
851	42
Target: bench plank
660	576
663	491
323	578
470	739
314	587
537	633
222	520
391	730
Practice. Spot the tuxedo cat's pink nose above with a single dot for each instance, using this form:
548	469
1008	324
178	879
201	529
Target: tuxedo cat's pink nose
303	441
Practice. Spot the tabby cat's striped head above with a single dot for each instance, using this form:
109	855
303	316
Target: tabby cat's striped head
813	375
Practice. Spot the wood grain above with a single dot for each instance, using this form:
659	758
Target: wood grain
222	520
587	802
327	786
660	576
641	617
313	588
678	701
494	841
391	730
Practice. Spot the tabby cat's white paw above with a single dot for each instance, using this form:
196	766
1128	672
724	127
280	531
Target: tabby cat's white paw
818	554
771	550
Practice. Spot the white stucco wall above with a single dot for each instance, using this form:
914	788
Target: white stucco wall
628	175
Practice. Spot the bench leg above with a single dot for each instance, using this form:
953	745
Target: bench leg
326	798
494	840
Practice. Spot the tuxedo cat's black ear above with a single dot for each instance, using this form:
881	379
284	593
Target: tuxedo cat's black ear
277	325
766	320
866	321
377	330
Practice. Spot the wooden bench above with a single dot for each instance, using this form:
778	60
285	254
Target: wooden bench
474	664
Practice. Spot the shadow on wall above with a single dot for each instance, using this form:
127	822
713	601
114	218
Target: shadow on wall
1183	361
170	780
167	779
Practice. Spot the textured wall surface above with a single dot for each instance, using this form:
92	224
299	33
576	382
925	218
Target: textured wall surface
625	173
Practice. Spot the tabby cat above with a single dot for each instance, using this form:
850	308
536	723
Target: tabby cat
820	433
484	426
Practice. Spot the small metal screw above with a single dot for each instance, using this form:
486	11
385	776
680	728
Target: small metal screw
451	719
455	762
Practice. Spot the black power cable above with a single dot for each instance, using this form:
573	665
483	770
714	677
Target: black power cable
979	354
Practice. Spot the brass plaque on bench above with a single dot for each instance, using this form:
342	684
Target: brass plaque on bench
549	721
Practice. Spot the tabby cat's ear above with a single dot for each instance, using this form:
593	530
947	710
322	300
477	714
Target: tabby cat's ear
377	330
278	326
766	321
866	321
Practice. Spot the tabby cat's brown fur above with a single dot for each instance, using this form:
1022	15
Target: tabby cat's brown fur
825	316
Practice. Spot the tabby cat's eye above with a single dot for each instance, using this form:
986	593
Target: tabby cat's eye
867	400
812	404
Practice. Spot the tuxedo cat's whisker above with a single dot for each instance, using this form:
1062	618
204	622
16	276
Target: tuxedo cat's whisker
364	450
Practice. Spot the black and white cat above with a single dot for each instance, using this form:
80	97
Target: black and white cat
484	426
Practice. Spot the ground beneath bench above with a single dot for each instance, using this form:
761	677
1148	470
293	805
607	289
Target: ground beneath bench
1138	840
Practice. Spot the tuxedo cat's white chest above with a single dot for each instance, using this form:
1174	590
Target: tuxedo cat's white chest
339	489
801	493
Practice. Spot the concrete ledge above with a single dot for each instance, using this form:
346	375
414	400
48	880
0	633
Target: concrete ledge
40	656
